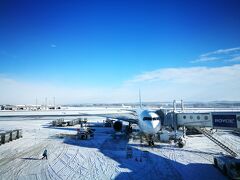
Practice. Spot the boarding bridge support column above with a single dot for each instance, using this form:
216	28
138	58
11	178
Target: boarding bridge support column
174	124
175	103
184	131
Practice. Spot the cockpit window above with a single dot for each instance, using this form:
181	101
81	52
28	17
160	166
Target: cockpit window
150	119
147	118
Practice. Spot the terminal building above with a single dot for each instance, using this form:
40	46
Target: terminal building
28	107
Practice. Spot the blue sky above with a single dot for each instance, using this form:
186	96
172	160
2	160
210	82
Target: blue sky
101	46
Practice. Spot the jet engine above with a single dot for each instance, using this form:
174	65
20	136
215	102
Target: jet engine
117	126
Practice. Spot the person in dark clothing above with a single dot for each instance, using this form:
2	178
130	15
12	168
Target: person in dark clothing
44	154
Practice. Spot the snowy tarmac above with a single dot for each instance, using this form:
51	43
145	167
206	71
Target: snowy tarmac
102	157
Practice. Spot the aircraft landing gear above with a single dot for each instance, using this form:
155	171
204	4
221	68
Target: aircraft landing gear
150	140
129	129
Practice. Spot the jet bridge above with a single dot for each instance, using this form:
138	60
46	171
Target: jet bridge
228	120
201	121
222	119
216	120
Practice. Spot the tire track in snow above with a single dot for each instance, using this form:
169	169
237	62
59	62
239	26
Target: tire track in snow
53	173
67	164
60	159
14	165
32	164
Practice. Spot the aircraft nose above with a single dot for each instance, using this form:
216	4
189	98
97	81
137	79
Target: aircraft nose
155	124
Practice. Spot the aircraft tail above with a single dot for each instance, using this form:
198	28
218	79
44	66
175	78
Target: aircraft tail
140	99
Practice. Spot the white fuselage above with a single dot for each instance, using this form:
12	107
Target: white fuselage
149	122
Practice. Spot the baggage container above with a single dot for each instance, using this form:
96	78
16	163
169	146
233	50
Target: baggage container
58	122
19	133
75	122
13	135
6	137
1	138
70	123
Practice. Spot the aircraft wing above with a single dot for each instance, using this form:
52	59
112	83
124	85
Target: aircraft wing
123	117
128	117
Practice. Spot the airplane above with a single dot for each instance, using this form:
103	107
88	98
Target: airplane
148	121
149	124
126	107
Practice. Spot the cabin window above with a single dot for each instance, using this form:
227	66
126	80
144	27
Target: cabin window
184	117
198	117
206	117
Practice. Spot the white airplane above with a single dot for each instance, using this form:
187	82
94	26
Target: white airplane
148	121
149	124
126	107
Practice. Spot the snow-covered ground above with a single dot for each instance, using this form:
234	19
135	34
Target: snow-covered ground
102	157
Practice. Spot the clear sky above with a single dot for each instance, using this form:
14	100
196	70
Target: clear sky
103	51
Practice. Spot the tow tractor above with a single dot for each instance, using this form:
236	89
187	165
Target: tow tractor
85	133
